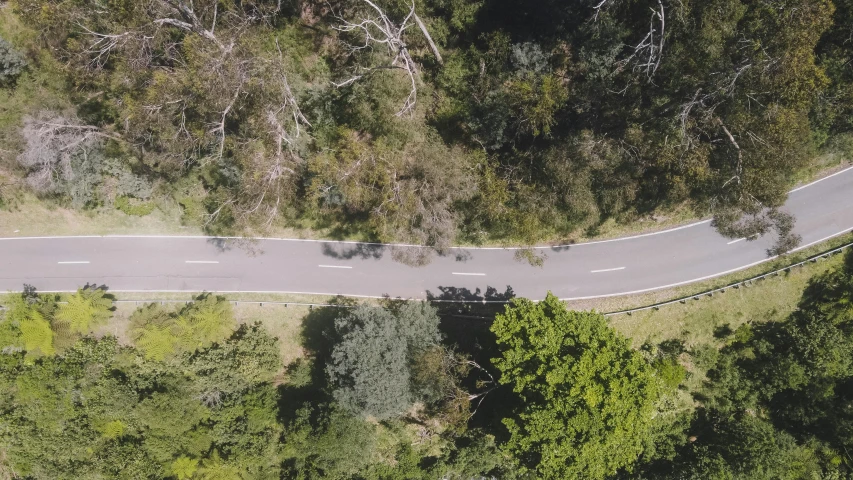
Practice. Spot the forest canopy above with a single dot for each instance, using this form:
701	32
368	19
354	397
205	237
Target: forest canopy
432	122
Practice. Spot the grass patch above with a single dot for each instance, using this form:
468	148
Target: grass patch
27	216
707	320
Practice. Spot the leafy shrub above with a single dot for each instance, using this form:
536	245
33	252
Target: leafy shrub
127	183
12	63
132	206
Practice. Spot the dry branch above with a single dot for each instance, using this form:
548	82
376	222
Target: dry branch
381	30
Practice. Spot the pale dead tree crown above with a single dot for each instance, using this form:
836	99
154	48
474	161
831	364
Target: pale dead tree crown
377	29
52	141
268	183
647	54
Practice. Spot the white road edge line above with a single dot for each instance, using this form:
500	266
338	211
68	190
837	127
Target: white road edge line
820	180
735	241
471	274
607	270
332	266
706	277
201	261
71	263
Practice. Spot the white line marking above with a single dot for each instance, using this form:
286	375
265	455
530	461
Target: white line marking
735	241
463	301
201	261
706	277
332	266
607	270
71	263
820	180
471	274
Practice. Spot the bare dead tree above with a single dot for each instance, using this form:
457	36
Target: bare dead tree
102	45
289	106
648	52
428	37
270	173
739	165
597	8
179	14
218	128
729	88
190	22
52	142
379	30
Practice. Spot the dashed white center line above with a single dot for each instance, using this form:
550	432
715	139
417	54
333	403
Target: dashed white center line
332	266
72	263
472	274
607	270
744	238
201	261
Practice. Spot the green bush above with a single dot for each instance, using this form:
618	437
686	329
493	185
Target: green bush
132	206
12	63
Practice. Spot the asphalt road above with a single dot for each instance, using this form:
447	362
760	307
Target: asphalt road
612	267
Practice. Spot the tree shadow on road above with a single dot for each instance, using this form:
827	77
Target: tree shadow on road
348	251
463	301
251	246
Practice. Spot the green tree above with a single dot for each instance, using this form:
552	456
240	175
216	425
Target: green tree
327	442
586	398
370	366
12	63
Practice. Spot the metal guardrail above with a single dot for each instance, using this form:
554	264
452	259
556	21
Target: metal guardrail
735	285
260	303
696	296
233	302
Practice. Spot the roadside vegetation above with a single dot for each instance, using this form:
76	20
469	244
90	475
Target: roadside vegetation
436	123
723	388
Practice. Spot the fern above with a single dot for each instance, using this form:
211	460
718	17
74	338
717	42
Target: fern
206	321
85	309
113	430
216	468
157	342
36	334
183	468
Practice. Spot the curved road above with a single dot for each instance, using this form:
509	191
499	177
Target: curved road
823	209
